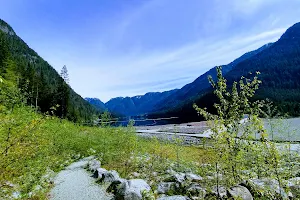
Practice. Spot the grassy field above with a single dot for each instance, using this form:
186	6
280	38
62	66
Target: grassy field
32	144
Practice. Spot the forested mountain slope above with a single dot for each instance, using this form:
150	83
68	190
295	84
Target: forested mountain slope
97	103
38	81
137	105
197	87
279	65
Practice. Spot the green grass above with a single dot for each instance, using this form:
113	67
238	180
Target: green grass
31	144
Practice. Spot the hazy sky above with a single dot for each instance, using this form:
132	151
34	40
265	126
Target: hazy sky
130	47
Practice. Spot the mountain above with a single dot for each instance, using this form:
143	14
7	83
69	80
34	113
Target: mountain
279	65
156	102
97	103
137	105
193	90
38	81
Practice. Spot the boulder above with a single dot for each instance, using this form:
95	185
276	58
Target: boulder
193	177
177	197
136	188
240	192
118	188
94	165
195	190
177	177
267	185
109	176
167	187
99	172
128	190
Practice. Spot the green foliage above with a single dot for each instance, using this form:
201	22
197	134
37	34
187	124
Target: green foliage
242	148
33	145
42	86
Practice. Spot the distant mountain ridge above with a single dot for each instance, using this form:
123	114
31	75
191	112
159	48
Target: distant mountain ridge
137	105
97	103
161	102
278	62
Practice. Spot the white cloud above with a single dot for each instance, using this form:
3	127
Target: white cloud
152	45
189	62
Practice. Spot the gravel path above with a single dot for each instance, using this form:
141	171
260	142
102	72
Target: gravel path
75	183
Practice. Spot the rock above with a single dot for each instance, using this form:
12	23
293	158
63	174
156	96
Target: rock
99	172
9	184
177	177
170	171
167	187
266	184
193	177
294	186
94	165
177	197
195	190
35	190
135	174
240	192
136	187
293	181
154	174
48	177
213	176
16	195
118	188
221	190
128	190
109	176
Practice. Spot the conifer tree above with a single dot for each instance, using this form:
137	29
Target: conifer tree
64	74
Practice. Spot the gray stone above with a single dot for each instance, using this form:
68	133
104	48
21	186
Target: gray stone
240	192
109	176
136	187
167	187
293	181
177	177
221	190
118	188
270	185
195	190
99	173
294	186
135	174
170	171
177	197
16	195
128	190
193	177
94	165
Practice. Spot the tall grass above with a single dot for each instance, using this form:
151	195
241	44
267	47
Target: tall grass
32	144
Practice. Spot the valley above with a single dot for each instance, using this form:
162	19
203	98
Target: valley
232	133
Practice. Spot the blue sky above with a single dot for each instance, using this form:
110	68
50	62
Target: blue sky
129	47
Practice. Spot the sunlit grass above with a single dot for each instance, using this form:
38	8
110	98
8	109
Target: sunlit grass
32	143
